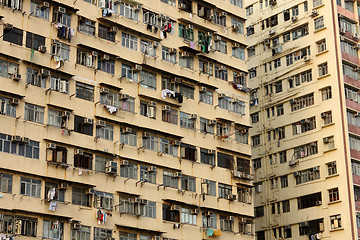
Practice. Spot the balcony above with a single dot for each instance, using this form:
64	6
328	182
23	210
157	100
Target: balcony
350	58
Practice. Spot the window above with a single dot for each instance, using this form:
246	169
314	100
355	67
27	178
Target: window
148	48
6	108
128	104
206	96
326	93
256	140
319	23
305	150
128	73
30	187
150	210
63	18
317	3
206	67
258	187
129	170
58	84
186	62
239	53
323	69
333	195
221	72
349	6
277	63
61	50
106	33
87	26
221	46
321	45
100	163
282	156
326	117
226	224
81	234
188	183
257	163
224	190
38	11
349	48
21	225
207	156
329	143
83	161
285	206
169	54
148	80
238	3
103	200
148	109
307	175
86	58
33	41
167	147
147	174
127	236
80	197
332	170
56	119
27	149
106	64
6	182
335	221
84	91
129	41
225	160
151	143
106	132
242	135
186	32
249	10
34	113
209	221
34	78
170	116
237	25
8	69
169	179
255	118
284	181
187	121
83	125
302	102
309	201
170	215
13	35
102	233
187	217
53	230
280	109
188	152
128	11
57	154
170	2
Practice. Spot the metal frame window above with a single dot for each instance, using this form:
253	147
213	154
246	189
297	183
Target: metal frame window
100	163
128	73
38	11
206	157
85	91
319	22
302	102
34	78
127	236
186	91
103	200
335	221
129	171
221	73
207	97
224	190
186	121
34	113
150	209
186	62
326	93
148	48
81	234
106	33
102	233
128	138
206	127
239	53
6	108
151	143
53	230
239	25
106	66
169	180
167	148
6	182
148	79
30	149
209	221
170	116
323	69
13	35
307	175
87	26
333	195
59	85
7	69
106	132
128	11
168	56
80	197
129	41
187	217
30	187
146	175
188	183
128	104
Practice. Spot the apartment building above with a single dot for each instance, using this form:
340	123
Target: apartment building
304	72
124	120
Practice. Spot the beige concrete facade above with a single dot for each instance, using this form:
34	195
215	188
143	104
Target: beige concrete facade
304	68
87	130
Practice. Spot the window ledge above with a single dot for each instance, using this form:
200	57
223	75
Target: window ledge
324	76
311	182
323	52
337	229
320	29
321	5
334	202
330	176
329	150
85	208
327	125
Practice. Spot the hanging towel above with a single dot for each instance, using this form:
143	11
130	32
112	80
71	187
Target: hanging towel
209	232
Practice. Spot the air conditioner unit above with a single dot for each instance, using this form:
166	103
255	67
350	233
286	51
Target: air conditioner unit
100	123
114	29
314	13
326	140
195	211
231	197
185	54
137	68
16	77
323	115
45	5
292	162
318	203
14	101
182	6
172	50
63	186
111	167
76	226
42	49
124	96
152	104
193	116
178	174
79	152
8	27
55	41
66	114
175	143
88	121
151	169
104	90
217	38
157	238
210	151
105	57
223	14
235	28
307	58
190	26
235	45
145	135
166	108
221	95
178	80
237	174
272	32
212	122
294	18
175	208
51	146
62	10
44	72
203	89
143	201
128	130
25	140
90	191
15	138
222	68
209	213
273	2
231	218
267	41
156	44
124	163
